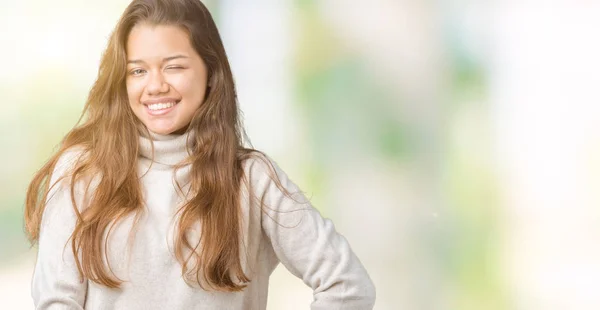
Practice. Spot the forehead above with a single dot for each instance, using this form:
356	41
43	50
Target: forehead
147	41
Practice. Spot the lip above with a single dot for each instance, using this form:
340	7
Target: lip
160	100
159	112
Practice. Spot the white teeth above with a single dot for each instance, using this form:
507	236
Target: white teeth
160	106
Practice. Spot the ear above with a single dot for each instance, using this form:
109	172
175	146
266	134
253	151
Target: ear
209	81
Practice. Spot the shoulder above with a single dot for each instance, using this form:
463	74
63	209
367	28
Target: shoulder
70	157
67	161
65	165
260	167
256	160
265	177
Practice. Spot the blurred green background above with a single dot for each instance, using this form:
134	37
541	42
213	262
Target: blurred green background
454	143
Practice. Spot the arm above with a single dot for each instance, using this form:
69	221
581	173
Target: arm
309	246
56	283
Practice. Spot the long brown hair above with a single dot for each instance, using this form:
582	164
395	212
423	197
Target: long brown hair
108	132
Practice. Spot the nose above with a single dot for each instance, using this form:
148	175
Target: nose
156	84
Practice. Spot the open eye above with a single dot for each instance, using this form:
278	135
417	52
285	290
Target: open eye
136	72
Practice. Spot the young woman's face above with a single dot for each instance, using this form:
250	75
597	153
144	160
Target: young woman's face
166	78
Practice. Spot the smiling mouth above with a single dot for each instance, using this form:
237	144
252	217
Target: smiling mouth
161	106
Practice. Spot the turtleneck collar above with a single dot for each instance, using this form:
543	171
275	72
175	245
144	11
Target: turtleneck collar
168	149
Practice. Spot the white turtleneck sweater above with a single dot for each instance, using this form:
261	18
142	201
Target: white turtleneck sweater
291	233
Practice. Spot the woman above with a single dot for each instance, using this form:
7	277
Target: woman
152	202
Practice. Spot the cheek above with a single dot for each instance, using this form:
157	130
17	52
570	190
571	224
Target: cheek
190	88
134	90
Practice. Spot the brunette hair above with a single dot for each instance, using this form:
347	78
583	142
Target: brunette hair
108	132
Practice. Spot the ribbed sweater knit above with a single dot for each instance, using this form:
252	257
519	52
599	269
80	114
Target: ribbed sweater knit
289	231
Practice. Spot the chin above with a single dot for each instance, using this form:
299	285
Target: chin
166	128
161	131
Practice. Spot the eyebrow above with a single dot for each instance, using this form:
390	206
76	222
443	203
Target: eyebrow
138	61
